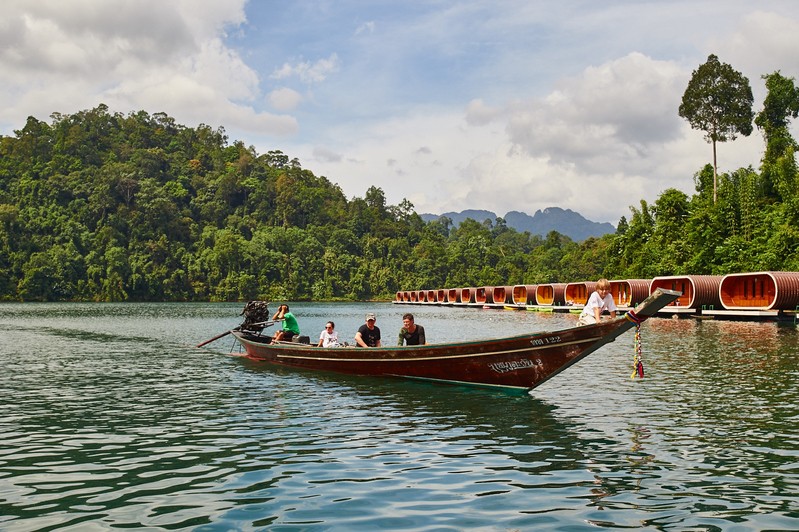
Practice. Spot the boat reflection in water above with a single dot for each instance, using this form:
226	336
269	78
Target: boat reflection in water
490	430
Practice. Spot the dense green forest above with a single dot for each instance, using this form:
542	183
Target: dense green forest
102	206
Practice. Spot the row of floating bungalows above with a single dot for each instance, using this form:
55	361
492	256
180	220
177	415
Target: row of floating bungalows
758	295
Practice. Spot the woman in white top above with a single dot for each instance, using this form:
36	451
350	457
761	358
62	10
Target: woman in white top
329	337
599	301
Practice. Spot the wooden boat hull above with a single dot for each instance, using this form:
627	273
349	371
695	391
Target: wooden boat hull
515	363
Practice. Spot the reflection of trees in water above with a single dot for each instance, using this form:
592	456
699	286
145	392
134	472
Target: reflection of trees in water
739	375
620	467
717	390
726	353
714	391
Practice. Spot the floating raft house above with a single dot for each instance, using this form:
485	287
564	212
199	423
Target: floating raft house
629	292
453	295
524	294
577	294
767	295
550	294
467	295
760	291
484	295
699	292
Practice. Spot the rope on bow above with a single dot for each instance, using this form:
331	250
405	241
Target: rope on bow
638	358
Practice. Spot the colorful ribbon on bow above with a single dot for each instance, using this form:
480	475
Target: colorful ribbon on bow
638	359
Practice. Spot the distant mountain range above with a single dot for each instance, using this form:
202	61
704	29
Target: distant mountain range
564	221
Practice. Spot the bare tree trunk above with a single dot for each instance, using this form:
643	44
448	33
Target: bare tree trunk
714	172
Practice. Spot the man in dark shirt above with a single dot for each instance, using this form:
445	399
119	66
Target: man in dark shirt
411	333
368	335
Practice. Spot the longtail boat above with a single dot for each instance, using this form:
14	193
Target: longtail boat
516	363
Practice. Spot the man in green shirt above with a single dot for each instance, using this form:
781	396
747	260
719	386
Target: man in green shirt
290	326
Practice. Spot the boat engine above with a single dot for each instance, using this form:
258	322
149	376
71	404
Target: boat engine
256	315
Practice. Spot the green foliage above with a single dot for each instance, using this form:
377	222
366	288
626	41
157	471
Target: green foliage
779	163
107	207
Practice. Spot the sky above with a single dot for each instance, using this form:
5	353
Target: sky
502	105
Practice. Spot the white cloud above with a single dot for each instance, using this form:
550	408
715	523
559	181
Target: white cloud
616	112
480	114
597	144
149	54
366	27
308	72
325	155
762	43
284	99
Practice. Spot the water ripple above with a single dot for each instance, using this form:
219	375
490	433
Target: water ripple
98	432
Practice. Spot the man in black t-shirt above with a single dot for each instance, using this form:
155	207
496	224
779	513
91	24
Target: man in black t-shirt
411	334
368	335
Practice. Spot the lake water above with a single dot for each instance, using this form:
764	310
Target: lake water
111	419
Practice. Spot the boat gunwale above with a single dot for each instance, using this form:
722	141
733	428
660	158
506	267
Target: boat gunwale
443	345
304	353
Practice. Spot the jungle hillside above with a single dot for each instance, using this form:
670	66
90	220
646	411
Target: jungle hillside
101	206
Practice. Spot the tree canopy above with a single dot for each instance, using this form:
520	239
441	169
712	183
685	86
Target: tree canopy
718	101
